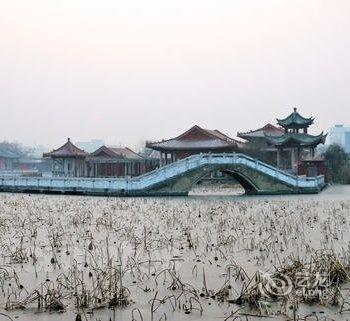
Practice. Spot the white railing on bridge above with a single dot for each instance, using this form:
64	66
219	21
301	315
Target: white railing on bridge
161	174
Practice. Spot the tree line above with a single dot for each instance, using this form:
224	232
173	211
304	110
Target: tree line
338	162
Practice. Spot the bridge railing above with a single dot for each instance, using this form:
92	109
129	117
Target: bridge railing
179	167
163	173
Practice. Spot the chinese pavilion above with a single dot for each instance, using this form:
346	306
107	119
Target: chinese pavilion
295	141
196	140
115	162
9	157
68	160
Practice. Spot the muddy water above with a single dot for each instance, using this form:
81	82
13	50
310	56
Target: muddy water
150	240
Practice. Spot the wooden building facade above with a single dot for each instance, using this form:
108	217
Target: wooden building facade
115	162
313	166
70	161
8	160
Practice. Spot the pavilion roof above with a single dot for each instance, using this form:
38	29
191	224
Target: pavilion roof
115	153
268	129
196	138
66	150
296	139
295	120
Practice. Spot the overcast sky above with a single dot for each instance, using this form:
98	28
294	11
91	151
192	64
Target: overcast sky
127	70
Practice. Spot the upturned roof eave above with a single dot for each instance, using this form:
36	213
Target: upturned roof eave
263	131
211	134
66	150
116	153
294	124
298	140
295	120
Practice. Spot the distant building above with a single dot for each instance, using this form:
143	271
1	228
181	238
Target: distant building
37	151
196	140
8	159
91	145
338	135
68	160
19	160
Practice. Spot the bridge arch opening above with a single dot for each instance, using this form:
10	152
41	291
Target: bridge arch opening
238	185
244	181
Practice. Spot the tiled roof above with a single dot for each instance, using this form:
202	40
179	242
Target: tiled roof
304	140
67	150
197	138
115	152
295	120
202	144
151	153
126	152
268	129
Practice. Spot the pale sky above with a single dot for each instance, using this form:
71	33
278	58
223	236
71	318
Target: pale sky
149	69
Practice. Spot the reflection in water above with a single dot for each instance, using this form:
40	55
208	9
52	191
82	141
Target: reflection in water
236	193
215	189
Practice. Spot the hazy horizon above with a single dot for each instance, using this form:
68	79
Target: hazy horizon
130	71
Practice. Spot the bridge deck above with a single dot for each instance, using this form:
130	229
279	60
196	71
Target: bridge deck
148	184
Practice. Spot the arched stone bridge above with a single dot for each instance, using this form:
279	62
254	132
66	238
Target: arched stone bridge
176	179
